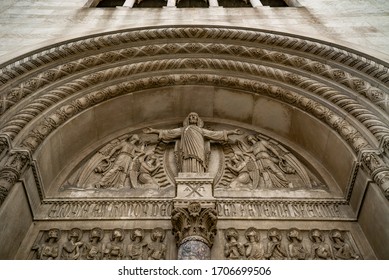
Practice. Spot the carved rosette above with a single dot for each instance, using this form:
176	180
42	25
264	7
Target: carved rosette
194	223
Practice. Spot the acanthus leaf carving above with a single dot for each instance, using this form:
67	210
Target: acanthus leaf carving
194	221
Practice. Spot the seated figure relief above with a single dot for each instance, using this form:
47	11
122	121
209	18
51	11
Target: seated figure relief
114	250
71	250
93	249
233	249
49	250
320	250
156	250
137	250
254	249
296	248
275	250
341	249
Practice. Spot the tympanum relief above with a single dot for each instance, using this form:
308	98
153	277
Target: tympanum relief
148	162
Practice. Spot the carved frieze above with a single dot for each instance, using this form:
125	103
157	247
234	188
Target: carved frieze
98	244
226	209
292	244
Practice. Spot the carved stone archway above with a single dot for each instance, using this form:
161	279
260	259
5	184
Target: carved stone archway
285	87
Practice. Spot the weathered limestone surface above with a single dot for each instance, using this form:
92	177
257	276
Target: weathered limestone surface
358	24
76	156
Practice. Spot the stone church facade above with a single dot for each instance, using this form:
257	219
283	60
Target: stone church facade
191	139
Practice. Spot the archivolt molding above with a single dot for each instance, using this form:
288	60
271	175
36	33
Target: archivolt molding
350	134
319	89
42	90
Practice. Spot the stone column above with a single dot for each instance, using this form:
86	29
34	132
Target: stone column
256	3
194	228
171	3
213	3
194	216
129	3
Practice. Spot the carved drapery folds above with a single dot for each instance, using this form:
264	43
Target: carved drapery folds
194	221
291	244
99	244
241	162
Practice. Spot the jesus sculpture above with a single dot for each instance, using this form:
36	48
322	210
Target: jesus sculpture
191	147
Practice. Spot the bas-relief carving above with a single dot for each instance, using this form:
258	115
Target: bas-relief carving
49	249
127	163
98	244
237	161
192	150
93	249
254	162
71	250
378	169
156	250
299	244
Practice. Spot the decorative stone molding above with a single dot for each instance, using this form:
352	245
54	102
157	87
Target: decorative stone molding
11	171
346	130
226	209
194	221
34	102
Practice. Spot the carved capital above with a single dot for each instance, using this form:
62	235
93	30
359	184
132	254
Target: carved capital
385	146
373	162
3	194
16	161
382	179
194	221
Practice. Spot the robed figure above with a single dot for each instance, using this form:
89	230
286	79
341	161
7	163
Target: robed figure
192	148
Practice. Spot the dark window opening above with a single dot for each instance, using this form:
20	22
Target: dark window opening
274	3
192	4
110	3
150	4
234	3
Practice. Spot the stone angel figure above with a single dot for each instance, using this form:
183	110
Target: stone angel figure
145	167
112	163
272	164
245	171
